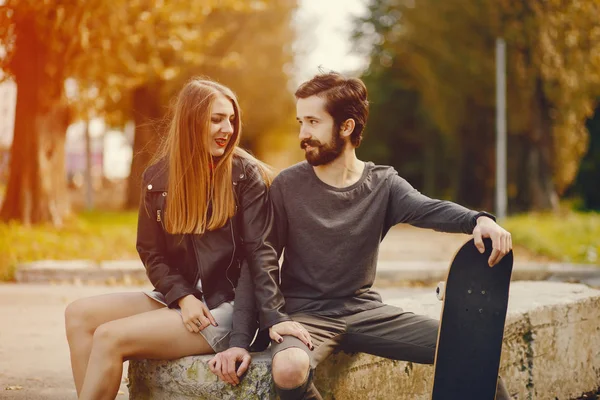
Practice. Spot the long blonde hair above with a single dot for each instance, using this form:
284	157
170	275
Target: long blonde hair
191	185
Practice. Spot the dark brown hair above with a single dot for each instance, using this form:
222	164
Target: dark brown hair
345	98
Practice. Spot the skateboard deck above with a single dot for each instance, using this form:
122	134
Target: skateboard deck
472	321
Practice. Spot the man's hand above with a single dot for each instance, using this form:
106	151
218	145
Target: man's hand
290	328
223	364
195	314
501	240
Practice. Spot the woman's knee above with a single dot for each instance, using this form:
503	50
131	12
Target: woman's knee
290	368
78	318
108	338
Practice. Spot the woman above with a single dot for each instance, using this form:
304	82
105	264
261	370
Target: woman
204	211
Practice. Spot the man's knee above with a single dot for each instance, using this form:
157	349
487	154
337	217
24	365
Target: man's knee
290	368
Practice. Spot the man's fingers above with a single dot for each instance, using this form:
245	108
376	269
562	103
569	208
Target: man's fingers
494	257
231	371
211	364
225	369
478	240
219	369
244	365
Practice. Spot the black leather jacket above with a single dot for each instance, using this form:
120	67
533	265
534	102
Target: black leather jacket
219	258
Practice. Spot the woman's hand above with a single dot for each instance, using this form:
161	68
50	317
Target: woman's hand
196	315
290	328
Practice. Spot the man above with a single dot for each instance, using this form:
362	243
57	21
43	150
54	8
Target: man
331	213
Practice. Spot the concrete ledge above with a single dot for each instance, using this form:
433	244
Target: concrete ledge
126	272
389	273
551	351
394	273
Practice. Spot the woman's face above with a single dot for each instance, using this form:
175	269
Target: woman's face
221	125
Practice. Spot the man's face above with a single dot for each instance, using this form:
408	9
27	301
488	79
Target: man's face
319	137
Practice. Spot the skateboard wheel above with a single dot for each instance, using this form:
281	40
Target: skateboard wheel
440	291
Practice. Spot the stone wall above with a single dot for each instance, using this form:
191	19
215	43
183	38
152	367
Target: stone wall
551	351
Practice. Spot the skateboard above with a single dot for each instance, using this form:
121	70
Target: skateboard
475	300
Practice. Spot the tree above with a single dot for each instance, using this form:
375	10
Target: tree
586	184
245	45
447	50
149	48
39	42
124	57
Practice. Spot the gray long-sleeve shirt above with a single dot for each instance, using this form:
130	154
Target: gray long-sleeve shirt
331	235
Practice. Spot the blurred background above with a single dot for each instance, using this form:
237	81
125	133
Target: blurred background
86	85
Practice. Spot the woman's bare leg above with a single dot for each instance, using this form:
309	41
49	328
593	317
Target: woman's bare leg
158	334
83	316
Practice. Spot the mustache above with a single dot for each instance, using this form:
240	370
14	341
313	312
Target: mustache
309	142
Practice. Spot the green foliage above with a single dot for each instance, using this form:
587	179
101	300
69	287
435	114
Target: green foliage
570	236
96	236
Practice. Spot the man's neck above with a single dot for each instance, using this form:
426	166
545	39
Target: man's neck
342	172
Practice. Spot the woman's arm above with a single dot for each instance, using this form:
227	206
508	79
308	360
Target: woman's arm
152	250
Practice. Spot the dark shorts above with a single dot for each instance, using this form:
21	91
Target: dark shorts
385	331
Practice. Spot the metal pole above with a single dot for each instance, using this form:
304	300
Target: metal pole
501	197
89	188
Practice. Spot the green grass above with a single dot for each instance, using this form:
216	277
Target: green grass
568	236
91	236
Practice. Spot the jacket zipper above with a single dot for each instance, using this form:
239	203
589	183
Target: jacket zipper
232	254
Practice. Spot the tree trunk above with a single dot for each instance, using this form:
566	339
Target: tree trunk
541	193
37	189
429	164
146	111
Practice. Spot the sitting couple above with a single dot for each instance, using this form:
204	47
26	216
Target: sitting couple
213	223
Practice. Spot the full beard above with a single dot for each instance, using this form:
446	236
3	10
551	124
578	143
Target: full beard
323	154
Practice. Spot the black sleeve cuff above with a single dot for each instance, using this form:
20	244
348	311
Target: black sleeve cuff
482	214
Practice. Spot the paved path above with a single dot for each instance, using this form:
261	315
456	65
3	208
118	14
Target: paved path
34	354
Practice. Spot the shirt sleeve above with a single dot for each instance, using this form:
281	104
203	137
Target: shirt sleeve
408	205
